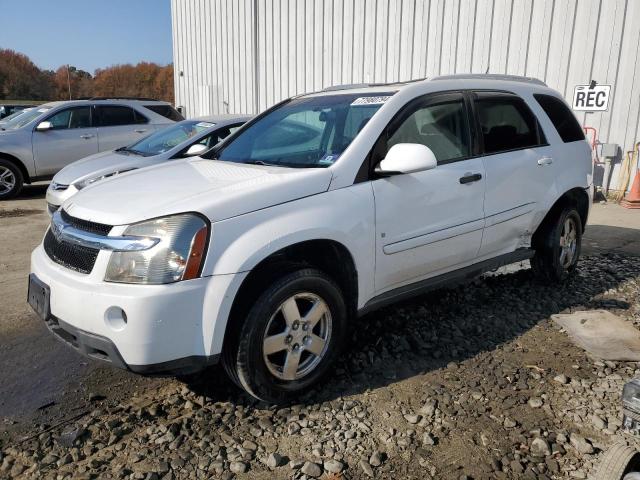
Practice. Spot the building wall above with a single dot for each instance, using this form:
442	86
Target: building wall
242	56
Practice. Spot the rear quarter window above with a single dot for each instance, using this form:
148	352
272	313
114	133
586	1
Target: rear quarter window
562	118
167	111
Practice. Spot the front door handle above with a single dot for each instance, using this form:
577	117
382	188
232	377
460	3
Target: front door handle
141	130
545	161
470	178
86	136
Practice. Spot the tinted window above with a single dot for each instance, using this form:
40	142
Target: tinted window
168	138
166	111
303	132
441	126
506	123
562	118
78	117
110	116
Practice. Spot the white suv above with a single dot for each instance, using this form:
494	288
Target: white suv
37	144
322	208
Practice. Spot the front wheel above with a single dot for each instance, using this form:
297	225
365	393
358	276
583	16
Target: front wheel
290	337
10	179
558	251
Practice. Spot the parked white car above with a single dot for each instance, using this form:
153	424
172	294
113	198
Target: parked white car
183	139
37	144
324	207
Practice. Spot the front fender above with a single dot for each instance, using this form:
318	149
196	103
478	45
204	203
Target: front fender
345	216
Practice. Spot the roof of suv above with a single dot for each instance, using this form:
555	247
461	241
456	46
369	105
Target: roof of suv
474	78
123	101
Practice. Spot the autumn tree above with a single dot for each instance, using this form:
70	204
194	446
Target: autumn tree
20	78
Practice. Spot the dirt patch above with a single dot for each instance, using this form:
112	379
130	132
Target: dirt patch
19	212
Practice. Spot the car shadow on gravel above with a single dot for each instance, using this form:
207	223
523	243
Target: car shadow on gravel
449	325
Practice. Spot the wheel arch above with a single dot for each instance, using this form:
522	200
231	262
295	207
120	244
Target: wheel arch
576	197
18	163
327	255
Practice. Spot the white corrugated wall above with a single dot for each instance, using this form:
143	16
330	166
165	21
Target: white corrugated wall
241	56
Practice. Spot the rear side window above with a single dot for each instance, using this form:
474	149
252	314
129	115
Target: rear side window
562	118
166	111
113	115
507	123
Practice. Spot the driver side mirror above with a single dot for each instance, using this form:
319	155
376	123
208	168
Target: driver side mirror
195	149
44	126
406	158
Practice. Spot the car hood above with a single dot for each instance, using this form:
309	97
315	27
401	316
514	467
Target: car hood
100	164
216	189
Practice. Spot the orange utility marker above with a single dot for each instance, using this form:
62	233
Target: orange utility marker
632	199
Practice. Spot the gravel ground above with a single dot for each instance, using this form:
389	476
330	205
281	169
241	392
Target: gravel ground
470	382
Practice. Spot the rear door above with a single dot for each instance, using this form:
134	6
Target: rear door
429	222
519	171
120	125
72	137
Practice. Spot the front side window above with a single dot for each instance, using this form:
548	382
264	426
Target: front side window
168	138
304	132
562	118
77	117
114	115
440	125
506	123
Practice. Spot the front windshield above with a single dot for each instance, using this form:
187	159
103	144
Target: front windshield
8	118
25	118
304	132
169	137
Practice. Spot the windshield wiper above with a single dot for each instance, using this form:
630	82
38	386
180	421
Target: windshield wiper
260	162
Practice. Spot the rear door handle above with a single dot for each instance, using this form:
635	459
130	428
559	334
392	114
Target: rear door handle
470	177
141	130
545	161
86	136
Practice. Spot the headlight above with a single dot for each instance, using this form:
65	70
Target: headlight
88	181
178	255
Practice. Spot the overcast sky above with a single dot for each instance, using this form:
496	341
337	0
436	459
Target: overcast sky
87	34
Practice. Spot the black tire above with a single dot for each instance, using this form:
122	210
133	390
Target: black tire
616	462
547	263
243	351
16	179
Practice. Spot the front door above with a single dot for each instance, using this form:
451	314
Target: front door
519	166
429	222
71	138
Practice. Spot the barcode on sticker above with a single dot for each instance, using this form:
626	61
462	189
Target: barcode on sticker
370	100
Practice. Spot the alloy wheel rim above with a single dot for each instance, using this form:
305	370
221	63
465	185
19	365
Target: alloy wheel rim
568	243
297	336
7	180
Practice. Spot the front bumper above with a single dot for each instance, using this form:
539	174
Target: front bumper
55	198
174	328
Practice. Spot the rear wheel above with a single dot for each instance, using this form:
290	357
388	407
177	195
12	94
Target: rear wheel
290	337
10	179
558	251
617	462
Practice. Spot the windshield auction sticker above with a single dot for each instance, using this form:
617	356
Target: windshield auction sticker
370	100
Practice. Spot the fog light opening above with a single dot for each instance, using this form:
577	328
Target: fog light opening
115	318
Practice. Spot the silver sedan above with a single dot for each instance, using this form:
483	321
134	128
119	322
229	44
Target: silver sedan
183	139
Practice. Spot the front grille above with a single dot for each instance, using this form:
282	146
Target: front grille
86	225
75	257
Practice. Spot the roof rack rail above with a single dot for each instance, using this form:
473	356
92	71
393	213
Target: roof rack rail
490	76
350	86
143	99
